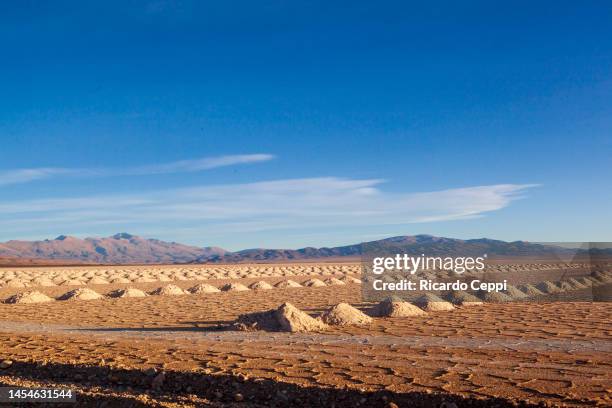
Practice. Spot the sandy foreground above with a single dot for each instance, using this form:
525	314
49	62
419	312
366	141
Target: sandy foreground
176	349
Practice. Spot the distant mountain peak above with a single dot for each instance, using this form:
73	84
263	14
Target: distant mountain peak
123	235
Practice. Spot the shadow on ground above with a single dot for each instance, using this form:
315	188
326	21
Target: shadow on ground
138	388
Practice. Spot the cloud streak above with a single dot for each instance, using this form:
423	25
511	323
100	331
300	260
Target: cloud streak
289	204
19	176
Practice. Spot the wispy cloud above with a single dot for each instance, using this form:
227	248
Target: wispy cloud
18	176
264	206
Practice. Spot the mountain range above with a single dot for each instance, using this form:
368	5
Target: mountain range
124	248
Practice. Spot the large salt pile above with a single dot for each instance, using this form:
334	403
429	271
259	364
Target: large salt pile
171	290
314	283
234	287
514	292
334	281
81	294
548	287
127	293
286	318
29	297
202	288
433	303
392	307
261	285
288	284
530	290
462	298
344	314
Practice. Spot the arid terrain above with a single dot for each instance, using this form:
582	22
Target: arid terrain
183	335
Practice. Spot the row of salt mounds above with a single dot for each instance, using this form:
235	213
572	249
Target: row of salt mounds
392	307
432	303
29	297
314	283
203	288
234	287
168	290
288	284
127	293
344	314
462	298
261	285
286	318
81	294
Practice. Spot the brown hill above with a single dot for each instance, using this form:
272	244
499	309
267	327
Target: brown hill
119	249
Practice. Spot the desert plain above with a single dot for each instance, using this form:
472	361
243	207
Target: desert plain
199	335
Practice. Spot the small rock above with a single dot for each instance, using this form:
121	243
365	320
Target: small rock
4	364
218	394
150	372
238	397
78	377
392	405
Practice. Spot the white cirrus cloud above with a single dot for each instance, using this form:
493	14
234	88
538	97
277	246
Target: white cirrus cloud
289	204
18	176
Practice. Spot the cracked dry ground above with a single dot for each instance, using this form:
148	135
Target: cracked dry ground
112	351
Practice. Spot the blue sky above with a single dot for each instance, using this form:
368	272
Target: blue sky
286	124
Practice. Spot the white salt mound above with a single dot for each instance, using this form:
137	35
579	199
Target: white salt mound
144	279
314	283
288	284
120	280
43	282
97	281
81	294
203	288
530	290
334	281
127	293
261	285
16	283
286	318
234	287
564	285
548	287
29	297
170	290
350	279
514	292
344	314
433	303
576	284
396	308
